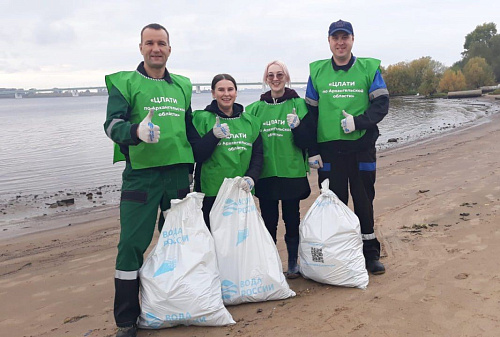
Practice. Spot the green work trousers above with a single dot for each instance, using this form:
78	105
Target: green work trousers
143	192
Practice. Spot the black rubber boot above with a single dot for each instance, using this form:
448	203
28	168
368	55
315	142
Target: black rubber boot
292	246
371	251
375	267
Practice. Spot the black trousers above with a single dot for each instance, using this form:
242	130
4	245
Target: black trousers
291	217
208	203
355	173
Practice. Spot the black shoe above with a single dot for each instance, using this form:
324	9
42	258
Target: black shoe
292	247
375	267
293	270
127	331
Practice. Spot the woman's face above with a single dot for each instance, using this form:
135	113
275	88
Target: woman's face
276	79
225	94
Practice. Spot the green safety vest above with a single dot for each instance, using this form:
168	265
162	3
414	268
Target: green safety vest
341	90
282	158
232	155
170	102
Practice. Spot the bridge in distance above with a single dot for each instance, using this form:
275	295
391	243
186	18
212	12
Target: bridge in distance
90	91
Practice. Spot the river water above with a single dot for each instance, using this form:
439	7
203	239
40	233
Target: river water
56	148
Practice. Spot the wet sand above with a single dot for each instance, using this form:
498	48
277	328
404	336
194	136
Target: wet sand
437	215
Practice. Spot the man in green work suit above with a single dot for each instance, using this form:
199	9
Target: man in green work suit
142	103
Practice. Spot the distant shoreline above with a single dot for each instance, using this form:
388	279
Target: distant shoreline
88	94
101	91
46	95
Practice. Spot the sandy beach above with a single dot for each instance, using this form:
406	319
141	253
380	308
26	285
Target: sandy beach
437	214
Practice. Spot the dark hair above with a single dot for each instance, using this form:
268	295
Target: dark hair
156	26
221	77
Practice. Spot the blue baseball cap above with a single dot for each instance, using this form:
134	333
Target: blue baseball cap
340	25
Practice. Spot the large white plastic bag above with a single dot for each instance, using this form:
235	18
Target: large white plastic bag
331	248
180	282
249	263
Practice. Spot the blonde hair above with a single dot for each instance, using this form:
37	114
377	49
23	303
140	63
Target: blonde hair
280	64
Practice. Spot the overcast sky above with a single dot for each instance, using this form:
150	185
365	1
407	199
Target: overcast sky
70	43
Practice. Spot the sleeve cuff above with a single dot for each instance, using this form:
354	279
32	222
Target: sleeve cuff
133	133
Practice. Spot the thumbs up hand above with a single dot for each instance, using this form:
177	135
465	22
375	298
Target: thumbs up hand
315	162
347	123
221	130
147	131
292	119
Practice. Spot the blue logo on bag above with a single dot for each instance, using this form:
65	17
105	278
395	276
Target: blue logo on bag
152	321
229	207
242	235
229	289
174	236
241	206
166	267
254	286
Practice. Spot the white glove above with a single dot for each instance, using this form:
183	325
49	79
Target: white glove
221	130
292	119
315	162
347	123
246	184
147	131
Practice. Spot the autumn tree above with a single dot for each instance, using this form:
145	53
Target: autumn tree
452	81
397	79
426	74
418	76
478	73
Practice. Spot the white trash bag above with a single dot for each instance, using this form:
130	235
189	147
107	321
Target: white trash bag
331	248
249	263
180	282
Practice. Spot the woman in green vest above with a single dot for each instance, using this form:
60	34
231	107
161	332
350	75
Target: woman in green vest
285	137
230	143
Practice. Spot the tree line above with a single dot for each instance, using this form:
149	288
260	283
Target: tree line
479	66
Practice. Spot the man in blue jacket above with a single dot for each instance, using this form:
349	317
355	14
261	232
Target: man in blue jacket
348	97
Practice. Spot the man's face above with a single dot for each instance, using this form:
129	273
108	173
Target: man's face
155	48
341	45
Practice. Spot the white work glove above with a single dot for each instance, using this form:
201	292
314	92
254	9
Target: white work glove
246	184
292	119
315	162
147	131
221	130
347	123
